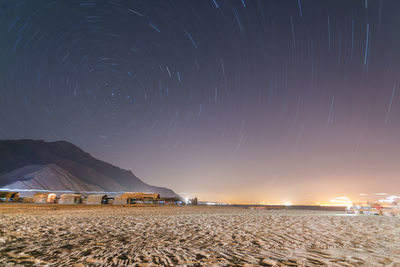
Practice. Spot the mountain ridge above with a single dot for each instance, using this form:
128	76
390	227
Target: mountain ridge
48	177
15	154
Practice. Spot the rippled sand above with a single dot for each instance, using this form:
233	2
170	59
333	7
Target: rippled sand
81	235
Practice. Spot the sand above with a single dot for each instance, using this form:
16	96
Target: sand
56	235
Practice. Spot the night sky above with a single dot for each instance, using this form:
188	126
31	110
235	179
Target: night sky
238	101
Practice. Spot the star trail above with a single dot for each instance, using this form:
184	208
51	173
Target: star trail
236	101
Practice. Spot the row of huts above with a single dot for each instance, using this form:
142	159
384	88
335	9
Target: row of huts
127	198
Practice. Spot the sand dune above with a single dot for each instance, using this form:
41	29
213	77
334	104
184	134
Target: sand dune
193	236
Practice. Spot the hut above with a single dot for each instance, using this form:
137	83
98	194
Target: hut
97	199
26	199
42	198
170	201
136	198
70	199
7	196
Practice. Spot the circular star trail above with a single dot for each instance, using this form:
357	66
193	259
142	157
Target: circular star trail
255	96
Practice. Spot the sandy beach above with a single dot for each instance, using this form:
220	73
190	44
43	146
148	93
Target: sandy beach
56	235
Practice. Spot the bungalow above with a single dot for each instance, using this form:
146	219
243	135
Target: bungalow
6	196
41	198
170	201
136	198
98	199
70	199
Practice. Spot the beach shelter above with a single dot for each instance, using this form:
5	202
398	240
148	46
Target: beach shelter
6	196
97	199
170	201
70	199
136	198
41	198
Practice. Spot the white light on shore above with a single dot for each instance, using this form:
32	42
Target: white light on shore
342	201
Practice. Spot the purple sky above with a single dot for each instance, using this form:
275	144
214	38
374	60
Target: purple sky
237	101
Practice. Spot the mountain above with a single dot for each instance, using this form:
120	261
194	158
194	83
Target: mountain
20	160
45	177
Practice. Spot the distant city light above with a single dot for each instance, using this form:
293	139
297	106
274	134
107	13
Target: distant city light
342	201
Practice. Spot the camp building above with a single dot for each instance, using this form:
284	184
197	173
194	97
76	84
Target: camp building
70	199
41	198
6	196
98	199
136	198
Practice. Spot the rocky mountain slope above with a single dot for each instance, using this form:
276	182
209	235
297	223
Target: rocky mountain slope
68	161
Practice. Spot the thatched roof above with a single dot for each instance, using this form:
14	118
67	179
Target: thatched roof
70	195
139	195
170	199
97	195
43	194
